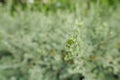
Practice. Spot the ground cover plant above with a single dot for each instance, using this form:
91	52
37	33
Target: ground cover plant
77	43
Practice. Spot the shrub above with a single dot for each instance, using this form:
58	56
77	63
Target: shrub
81	45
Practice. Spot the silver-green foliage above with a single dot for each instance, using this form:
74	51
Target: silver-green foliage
61	46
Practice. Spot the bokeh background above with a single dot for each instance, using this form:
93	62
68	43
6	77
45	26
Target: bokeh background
59	40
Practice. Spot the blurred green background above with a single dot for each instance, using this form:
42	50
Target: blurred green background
59	40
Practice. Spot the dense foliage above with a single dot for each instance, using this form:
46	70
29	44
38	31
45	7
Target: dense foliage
80	41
